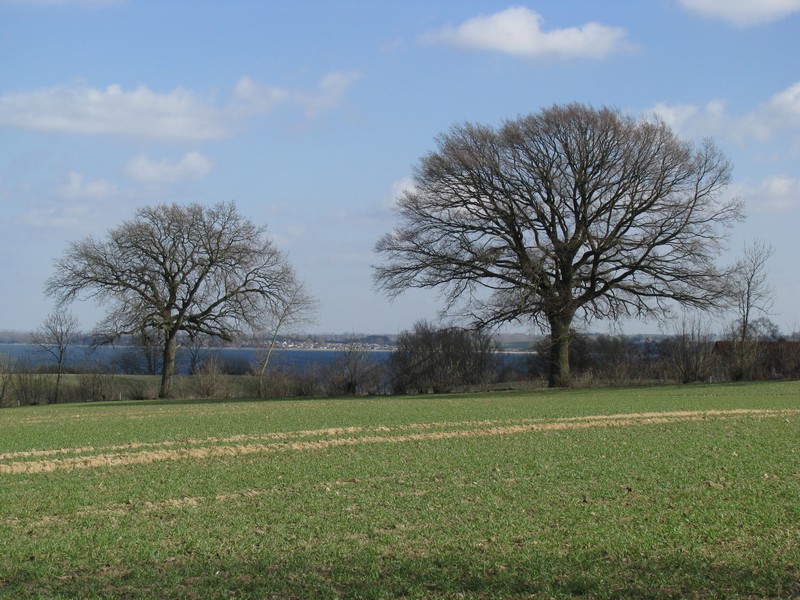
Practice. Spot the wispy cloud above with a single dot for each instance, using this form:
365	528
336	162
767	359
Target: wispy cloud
693	119
329	92
780	112
76	188
398	189
773	194
743	13
192	166
177	115
777	115
252	97
518	31
84	3
78	204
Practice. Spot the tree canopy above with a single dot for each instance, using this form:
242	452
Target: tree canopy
178	268
573	212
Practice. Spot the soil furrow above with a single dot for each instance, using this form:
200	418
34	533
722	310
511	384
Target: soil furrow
233	449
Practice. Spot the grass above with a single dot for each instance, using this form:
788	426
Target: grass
538	494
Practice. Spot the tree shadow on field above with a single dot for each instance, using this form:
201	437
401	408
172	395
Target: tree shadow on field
365	574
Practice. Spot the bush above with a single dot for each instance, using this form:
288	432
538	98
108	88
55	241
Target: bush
429	359
143	390
306	382
96	386
275	383
689	353
30	387
353	373
210	381
6	372
289	383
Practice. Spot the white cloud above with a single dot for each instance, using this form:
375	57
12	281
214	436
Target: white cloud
518	31
329	92
778	115
692	120
255	98
743	12
52	216
780	112
76	205
398	190
776	193
77	189
192	165
178	115
787	103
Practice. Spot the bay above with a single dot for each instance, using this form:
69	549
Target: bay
130	359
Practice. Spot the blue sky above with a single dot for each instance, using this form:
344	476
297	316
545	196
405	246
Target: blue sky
311	115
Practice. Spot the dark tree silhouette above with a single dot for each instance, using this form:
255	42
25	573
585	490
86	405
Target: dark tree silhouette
176	268
570	213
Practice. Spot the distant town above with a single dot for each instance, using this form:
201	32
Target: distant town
509	342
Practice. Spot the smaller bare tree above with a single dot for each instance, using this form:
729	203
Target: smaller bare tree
295	309
752	296
54	337
177	269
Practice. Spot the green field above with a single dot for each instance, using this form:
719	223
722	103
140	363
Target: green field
663	492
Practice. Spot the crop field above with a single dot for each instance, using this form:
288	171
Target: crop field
662	492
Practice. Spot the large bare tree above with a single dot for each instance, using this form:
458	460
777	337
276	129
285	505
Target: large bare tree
571	212
178	268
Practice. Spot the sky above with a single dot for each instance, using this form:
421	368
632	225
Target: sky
311	116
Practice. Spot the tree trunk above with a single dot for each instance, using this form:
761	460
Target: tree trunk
559	352
58	383
168	367
262	388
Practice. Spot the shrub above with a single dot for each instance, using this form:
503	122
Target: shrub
353	373
210	381
429	359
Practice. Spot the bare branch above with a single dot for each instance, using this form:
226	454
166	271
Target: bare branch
571	211
178	268
54	337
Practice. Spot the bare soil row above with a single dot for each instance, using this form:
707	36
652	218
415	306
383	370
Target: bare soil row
139	453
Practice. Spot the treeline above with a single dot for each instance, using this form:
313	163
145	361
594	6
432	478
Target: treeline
690	356
426	359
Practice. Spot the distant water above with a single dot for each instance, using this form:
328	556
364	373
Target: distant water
131	359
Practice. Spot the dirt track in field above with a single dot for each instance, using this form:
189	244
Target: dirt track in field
87	457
